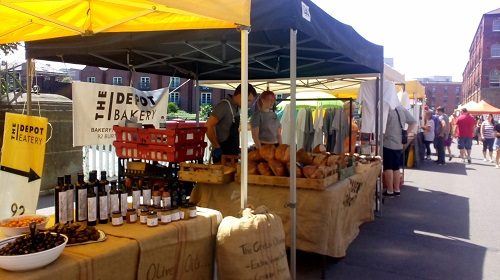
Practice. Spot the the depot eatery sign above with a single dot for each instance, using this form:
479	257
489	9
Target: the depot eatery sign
97	107
23	154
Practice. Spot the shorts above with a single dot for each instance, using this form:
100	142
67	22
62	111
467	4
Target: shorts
488	144
496	145
448	141
464	143
392	159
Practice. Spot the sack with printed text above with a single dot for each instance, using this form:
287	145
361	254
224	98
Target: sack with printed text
252	247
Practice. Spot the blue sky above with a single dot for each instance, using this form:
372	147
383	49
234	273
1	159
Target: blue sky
425	38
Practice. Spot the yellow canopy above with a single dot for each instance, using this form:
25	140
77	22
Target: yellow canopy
25	20
415	89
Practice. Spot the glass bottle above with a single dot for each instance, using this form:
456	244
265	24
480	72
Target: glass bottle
123	200
70	198
91	206
114	198
61	203
103	206
105	183
156	195
136	196
93	180
146	192
81	199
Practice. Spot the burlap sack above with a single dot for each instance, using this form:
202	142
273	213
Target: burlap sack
252	247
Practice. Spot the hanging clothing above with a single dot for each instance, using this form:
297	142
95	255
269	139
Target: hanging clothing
328	131
368	96
285	125
318	127
308	131
301	126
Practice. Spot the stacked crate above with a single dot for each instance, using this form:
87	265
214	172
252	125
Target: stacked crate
178	142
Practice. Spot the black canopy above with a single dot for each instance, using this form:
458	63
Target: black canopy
325	47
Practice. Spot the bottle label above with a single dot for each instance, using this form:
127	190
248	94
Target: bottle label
82	205
103	208
124	204
70	198
115	203
146	197
91	209
63	208
167	202
156	200
136	199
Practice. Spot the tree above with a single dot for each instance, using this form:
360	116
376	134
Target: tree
205	111
9	48
172	107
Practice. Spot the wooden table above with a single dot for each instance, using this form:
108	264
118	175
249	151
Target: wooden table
327	221
179	250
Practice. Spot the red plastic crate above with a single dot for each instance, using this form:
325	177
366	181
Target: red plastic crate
126	134
183	124
170	136
177	153
127	150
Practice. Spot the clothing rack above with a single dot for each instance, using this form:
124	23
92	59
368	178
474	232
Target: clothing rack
331	99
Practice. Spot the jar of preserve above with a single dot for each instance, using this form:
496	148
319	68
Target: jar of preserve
192	211
152	219
184	212
116	218
165	216
176	215
131	215
143	215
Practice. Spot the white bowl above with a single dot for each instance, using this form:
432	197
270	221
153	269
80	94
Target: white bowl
12	231
30	261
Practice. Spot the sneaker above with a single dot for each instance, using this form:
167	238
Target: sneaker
492	161
485	160
497	166
463	160
450	158
385	193
469	160
397	193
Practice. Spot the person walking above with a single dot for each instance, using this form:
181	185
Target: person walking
393	148
224	123
488	136
442	132
466	125
429	133
497	144
266	128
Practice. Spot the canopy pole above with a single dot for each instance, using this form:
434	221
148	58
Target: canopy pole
293	154
197	100
29	70
244	116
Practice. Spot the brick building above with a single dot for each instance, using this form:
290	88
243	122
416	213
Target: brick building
442	91
182	95
481	77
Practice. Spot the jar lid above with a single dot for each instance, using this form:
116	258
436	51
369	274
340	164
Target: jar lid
130	210
116	212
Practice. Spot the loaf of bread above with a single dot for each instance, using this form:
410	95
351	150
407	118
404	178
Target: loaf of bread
299	173
278	168
304	157
254	155
320	148
267	152
252	168
314	172
264	169
320	159
282	153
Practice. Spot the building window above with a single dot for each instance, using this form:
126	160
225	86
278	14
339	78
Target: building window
145	83
279	96
117	81
174	97
495	78
495	50
175	82
90	79
496	25
457	90
206	98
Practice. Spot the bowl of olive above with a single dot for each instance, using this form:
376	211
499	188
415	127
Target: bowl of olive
30	251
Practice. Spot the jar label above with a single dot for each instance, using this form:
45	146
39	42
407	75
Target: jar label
181	214
143	219
132	218
176	216
117	221
166	218
192	213
152	222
